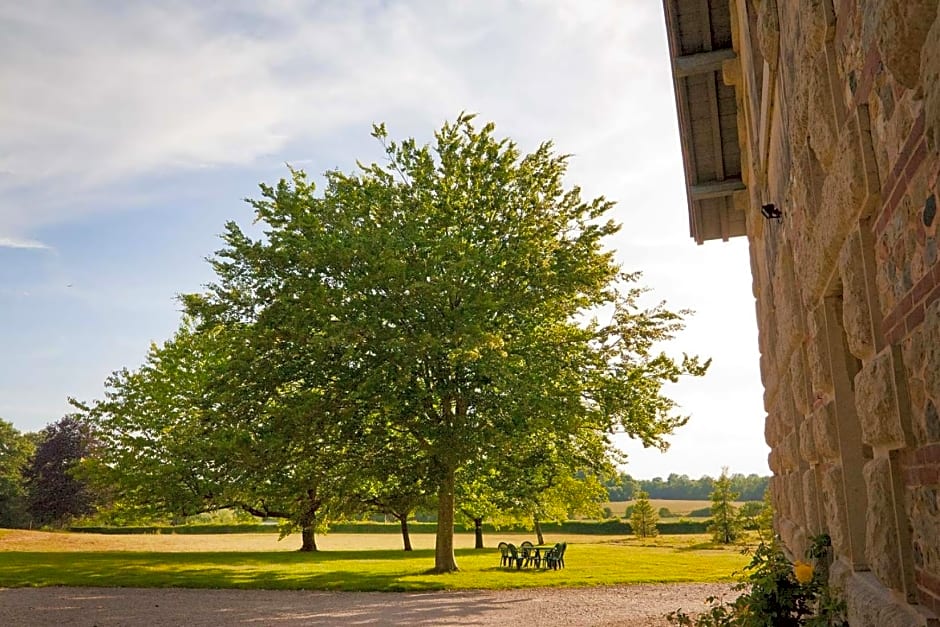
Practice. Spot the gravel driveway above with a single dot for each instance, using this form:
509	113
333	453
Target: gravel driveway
640	605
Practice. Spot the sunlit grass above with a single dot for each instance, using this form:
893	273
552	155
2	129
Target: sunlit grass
589	561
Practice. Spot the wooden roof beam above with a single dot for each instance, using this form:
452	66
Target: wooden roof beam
715	189
702	62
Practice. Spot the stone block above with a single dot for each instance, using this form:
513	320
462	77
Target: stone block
799	382
842	200
771	429
930	85
930	373
790	451
773	462
834	509
822	123
902	29
923	510
856	314
881	541
817	356
768	31
826	432
788	306
808	442
871	605
811	503
794	487
787	530
818	22
876	401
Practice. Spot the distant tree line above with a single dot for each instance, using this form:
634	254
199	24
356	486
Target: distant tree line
622	487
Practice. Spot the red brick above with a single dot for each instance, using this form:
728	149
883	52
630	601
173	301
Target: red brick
891	320
872	61
910	144
929	475
933	295
914	318
923	287
911	479
917	160
931	453
931	602
888	209
899	312
906	457
895	334
927	581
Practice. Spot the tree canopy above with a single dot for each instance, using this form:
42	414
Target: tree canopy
55	492
16	449
455	304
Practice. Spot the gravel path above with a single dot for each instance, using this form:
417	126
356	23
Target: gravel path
623	606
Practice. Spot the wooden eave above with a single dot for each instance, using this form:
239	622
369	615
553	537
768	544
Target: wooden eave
699	33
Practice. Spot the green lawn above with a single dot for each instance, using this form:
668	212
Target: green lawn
589	562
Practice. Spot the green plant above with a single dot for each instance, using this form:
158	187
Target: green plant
643	518
725	526
776	593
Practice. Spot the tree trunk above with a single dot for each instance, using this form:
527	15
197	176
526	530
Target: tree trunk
444	560
308	539
538	531
308	522
478	533
405	537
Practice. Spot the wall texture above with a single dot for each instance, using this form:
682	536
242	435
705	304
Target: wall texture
838	125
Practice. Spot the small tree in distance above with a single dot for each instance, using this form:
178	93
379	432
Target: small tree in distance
643	519
726	526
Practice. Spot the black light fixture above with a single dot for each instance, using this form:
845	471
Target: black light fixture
771	212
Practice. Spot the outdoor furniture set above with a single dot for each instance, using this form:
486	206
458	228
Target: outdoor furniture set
527	554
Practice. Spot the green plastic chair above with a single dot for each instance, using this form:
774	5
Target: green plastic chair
503	553
514	557
527	550
555	558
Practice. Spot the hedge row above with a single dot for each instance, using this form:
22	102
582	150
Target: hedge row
587	527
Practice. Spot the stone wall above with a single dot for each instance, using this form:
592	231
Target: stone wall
848	283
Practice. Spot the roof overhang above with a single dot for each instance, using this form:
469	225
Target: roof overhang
699	33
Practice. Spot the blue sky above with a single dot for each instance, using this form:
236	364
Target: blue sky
132	131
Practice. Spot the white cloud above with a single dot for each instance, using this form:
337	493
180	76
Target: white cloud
96	93
10	242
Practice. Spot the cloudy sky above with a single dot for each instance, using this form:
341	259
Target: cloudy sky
130	132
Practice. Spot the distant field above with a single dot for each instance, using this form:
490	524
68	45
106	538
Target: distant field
680	507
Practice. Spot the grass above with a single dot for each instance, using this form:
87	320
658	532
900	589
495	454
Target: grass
345	562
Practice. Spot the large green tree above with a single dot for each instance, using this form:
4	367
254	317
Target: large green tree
15	452
449	295
216	418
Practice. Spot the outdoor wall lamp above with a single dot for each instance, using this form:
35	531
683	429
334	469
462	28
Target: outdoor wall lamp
771	212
